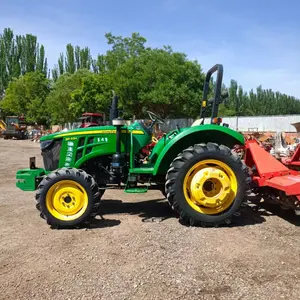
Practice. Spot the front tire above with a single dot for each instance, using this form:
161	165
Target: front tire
206	185
68	197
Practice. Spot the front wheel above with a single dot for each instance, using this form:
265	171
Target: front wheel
206	184
68	197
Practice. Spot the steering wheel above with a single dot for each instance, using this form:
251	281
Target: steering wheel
155	118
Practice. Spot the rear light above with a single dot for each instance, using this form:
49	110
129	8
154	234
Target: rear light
217	120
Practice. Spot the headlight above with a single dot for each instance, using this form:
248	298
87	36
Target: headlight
46	144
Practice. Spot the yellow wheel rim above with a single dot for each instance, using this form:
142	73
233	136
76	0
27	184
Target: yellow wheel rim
210	186
66	200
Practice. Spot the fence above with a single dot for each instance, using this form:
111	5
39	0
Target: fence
264	123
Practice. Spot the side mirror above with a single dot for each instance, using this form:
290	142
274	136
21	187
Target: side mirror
224	94
223	97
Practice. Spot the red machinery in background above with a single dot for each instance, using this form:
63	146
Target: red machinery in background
92	119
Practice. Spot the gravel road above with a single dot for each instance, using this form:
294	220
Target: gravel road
140	251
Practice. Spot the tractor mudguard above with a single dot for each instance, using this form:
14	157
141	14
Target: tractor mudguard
195	135
29	179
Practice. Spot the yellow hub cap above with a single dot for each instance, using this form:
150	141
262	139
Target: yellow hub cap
210	186
66	200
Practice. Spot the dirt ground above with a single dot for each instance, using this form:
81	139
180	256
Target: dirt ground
130	255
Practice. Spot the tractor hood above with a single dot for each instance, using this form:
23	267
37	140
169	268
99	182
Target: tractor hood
78	131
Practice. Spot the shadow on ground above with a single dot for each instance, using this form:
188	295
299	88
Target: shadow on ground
156	210
93	224
159	210
268	209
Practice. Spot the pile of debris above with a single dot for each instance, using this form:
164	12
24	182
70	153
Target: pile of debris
35	133
279	144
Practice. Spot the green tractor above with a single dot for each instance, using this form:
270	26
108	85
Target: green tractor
204	181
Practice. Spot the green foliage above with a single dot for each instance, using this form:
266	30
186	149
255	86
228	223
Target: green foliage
19	55
26	95
73	94
60	98
74	59
41	61
160	80
261	102
93	96
122	50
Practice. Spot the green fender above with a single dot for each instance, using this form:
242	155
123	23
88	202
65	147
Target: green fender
195	135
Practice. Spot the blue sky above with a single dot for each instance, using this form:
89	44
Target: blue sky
258	42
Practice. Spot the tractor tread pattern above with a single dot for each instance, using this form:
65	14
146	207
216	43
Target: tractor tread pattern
75	173
177	164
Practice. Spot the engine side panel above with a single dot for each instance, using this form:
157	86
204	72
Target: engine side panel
80	145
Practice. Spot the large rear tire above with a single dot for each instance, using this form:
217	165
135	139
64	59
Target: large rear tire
68	197
206	184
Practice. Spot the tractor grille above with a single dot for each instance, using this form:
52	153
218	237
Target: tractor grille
51	156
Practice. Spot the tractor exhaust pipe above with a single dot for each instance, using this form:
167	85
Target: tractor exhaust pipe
118	159
114	112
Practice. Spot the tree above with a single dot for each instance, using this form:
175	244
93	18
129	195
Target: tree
74	59
122	49
19	55
70	66
41	61
60	99
145	78
160	80
26	95
94	95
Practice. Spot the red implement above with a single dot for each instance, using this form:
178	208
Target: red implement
290	184
294	160
268	171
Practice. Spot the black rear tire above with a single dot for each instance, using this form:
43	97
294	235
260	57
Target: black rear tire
181	165
76	176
